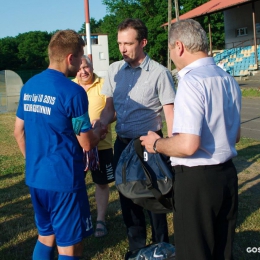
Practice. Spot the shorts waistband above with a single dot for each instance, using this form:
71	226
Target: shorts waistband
183	168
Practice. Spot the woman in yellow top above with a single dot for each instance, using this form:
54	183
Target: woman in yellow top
104	173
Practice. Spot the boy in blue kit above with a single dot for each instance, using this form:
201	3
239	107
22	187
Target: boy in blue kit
52	126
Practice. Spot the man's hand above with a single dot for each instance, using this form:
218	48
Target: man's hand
148	141
93	122
105	128
99	128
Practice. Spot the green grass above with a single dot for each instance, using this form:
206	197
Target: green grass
251	92
17	230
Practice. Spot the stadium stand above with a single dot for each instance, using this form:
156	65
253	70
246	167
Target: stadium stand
240	61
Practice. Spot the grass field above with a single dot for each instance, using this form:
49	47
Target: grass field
17	230
250	92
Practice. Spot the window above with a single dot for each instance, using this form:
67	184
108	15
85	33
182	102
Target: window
94	39
102	56
241	31
257	25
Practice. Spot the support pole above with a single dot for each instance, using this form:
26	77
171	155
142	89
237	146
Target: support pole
169	63
210	36
254	30
88	33
169	24
176	10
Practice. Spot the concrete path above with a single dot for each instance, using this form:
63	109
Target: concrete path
250	114
250	118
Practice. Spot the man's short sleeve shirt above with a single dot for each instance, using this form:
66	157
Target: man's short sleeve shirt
97	102
139	95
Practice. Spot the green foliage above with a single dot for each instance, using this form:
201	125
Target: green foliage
187	5
216	21
217	29
94	26
109	26
32	49
25	52
152	12
29	50
8	53
250	92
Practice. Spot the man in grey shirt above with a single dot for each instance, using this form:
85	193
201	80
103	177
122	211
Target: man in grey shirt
137	89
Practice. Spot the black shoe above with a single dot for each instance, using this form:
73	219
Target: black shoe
128	254
131	254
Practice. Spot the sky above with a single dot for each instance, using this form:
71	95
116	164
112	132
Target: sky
20	16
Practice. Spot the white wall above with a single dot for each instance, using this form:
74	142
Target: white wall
240	17
100	55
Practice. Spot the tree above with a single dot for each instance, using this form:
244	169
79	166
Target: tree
152	12
217	29
32	49
29	50
25	51
109	26
216	21
8	53
94	26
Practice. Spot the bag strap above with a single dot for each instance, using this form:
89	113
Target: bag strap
149	182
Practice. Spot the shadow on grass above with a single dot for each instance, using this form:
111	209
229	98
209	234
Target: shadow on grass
18	234
248	202
4	177
14	187
115	244
19	251
246	239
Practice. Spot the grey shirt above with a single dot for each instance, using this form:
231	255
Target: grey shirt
138	95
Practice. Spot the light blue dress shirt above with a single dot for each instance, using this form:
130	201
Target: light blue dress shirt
207	104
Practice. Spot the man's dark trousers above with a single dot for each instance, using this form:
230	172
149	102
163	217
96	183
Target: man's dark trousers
206	205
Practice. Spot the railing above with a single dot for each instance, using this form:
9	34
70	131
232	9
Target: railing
248	42
237	46
239	69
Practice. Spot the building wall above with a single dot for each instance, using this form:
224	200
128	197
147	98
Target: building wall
100	54
241	17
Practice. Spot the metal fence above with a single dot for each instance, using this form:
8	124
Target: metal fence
27	74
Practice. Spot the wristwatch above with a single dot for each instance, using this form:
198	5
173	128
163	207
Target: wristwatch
154	145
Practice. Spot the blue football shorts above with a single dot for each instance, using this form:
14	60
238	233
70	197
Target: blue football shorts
65	215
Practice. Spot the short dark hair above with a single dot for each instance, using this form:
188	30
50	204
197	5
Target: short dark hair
136	24
65	42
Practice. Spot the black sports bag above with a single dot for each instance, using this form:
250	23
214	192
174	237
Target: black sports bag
145	178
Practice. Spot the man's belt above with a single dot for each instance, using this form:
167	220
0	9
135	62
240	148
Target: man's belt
128	140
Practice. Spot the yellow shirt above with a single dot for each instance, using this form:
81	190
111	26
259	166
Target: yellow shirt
97	102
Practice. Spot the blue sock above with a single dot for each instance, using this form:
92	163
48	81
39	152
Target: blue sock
67	257
43	252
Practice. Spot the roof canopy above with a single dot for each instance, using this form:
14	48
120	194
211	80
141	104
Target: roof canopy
210	7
